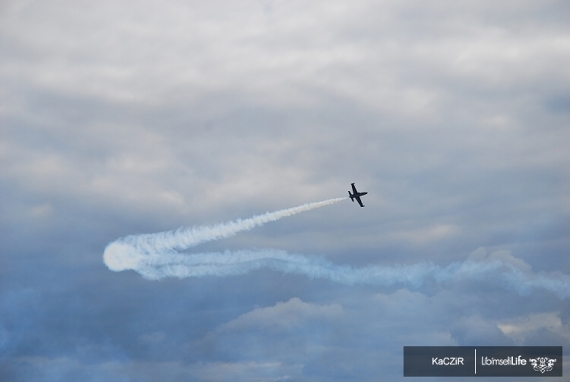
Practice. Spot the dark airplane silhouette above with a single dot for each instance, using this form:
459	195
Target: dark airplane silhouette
356	195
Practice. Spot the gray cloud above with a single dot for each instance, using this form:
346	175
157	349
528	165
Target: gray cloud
120	118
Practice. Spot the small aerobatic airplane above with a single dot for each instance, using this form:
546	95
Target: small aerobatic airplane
356	195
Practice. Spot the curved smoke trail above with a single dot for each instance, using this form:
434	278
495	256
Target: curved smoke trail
126	252
157	256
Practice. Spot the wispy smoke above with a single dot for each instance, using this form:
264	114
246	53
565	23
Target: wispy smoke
156	256
128	252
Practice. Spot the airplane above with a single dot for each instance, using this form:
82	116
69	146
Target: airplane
356	195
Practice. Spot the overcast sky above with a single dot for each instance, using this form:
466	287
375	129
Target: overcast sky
126	117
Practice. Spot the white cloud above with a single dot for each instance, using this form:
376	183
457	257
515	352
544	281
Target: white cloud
283	316
503	256
523	327
42	210
426	235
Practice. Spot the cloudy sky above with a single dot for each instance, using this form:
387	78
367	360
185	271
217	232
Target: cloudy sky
127	117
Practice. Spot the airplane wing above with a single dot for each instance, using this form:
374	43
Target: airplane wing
354	189
358	200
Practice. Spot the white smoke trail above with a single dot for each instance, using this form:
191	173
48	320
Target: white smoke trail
157	256
125	252
173	264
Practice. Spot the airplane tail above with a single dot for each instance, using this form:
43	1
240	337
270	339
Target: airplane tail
351	196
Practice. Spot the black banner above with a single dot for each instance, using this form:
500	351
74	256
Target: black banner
482	361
